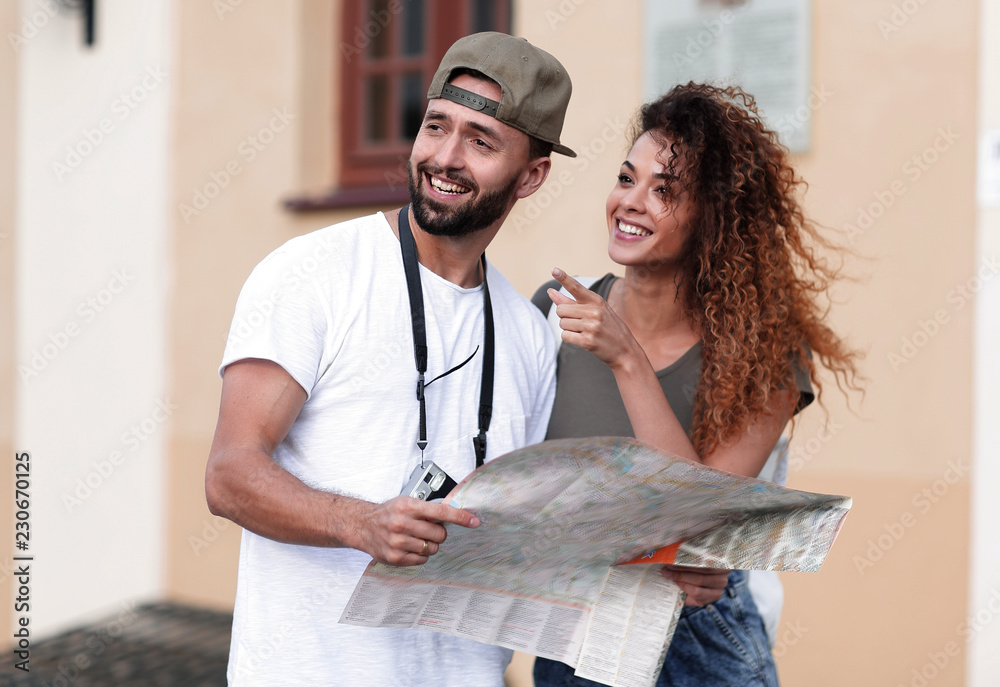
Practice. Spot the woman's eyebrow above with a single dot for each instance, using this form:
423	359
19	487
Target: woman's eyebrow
655	175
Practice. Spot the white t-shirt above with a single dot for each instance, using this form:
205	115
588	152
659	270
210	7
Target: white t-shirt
331	308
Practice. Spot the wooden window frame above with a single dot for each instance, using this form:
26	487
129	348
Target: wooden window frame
374	173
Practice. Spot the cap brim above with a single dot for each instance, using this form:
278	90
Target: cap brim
562	150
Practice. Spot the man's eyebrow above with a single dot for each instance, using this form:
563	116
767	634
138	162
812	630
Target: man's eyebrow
487	130
437	115
490	132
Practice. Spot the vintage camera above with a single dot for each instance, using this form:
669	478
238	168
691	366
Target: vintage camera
428	482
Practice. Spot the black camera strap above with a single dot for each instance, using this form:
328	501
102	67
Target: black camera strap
409	250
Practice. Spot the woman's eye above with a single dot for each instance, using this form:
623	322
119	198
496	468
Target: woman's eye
624	178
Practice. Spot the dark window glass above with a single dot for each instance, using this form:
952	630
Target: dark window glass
377	108
385	87
412	97
412	29
379	47
484	13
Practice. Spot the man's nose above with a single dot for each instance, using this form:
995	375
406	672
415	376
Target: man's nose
449	153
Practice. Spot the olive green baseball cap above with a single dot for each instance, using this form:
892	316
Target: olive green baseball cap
534	86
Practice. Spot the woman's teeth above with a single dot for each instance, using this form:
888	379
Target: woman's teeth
632	229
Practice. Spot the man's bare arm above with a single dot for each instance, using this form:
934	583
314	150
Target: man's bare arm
260	401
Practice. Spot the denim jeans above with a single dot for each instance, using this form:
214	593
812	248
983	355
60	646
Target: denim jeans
719	645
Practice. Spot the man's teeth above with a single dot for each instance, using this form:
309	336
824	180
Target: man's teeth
445	187
632	229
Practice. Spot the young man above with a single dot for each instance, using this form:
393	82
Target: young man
319	422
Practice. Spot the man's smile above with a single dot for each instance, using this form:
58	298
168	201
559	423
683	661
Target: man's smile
447	187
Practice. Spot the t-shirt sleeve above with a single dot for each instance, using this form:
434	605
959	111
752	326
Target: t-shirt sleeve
539	421
803	383
541	298
279	317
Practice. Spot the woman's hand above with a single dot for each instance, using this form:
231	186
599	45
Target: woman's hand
703	585
590	323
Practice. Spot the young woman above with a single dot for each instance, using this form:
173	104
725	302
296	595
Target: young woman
706	346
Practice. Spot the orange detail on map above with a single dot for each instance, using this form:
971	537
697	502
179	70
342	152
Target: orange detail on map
666	555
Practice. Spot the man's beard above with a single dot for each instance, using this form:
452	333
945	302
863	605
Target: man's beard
447	221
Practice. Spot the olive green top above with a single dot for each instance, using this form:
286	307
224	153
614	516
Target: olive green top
587	400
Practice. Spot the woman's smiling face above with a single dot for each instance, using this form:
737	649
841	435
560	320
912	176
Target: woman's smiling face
648	215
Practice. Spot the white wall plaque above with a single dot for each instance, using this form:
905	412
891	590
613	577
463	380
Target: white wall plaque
764	46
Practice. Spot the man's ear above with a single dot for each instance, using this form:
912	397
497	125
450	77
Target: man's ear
533	176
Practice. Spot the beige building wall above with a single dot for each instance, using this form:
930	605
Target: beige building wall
893	595
895	138
984	597
8	214
895	93
253	126
90	289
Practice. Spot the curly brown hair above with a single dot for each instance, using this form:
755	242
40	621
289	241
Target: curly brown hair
750	272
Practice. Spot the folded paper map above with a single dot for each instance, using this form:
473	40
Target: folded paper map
566	561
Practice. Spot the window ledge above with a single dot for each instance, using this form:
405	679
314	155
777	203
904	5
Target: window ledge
349	198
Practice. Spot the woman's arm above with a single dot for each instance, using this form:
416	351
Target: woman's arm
589	322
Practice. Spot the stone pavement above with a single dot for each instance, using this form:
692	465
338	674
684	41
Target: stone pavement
155	645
